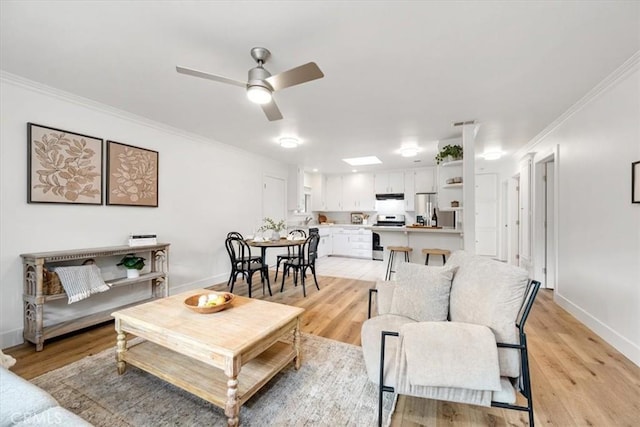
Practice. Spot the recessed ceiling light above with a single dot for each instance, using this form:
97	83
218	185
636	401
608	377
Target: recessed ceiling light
354	170
288	142
492	155
315	169
409	151
363	161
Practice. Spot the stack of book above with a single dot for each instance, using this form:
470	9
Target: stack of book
142	239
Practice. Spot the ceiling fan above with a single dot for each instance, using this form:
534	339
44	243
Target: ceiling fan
260	84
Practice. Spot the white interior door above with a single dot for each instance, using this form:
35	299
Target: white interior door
550	249
513	230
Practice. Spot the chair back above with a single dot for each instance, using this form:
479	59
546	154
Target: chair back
237	249
298	233
235	234
309	251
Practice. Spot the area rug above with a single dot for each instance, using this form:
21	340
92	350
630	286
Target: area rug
331	388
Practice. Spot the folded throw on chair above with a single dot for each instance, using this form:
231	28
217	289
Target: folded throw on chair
81	282
450	355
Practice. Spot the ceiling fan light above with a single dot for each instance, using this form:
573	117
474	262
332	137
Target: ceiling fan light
259	94
288	142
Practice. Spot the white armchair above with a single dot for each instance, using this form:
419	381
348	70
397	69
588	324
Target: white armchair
460	332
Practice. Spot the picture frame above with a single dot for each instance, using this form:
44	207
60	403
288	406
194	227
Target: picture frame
63	167
132	175
635	182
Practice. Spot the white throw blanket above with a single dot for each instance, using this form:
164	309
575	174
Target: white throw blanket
81	282
449	355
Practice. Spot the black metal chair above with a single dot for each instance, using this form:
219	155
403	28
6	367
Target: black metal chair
250	257
243	263
306	259
524	380
291	251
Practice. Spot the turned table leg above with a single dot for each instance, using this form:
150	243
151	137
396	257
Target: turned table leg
121	348
232	407
296	345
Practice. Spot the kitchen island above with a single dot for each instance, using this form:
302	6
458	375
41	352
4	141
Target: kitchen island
417	238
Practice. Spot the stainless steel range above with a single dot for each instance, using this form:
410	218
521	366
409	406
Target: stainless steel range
389	221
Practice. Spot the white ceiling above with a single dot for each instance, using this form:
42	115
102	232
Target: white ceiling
395	71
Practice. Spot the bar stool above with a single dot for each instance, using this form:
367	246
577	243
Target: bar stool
392	255
444	252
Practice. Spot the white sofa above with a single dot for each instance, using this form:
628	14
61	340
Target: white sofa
460	332
24	404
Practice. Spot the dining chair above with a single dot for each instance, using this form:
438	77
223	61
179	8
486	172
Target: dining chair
243	263
291	250
306	259
250	257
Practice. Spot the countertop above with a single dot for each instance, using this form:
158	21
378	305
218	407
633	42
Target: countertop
385	228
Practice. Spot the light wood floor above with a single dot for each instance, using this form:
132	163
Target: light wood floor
578	379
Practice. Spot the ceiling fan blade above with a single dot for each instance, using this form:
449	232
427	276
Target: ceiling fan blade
295	76
271	111
210	76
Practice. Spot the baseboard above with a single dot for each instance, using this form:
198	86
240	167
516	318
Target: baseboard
203	283
629	349
11	338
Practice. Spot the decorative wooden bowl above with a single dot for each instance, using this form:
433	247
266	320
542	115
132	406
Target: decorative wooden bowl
192	303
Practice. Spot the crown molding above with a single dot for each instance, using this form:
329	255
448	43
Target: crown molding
629	66
99	107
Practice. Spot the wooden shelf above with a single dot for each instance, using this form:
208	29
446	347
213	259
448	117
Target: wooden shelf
204	380
34	298
452	163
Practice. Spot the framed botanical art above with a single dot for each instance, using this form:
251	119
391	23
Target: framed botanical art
132	175
63	166
635	182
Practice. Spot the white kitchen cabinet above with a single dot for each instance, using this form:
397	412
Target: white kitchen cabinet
409	191
425	180
358	192
295	189
340	242
325	246
389	182
318	192
334	193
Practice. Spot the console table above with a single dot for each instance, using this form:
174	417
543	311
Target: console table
34	298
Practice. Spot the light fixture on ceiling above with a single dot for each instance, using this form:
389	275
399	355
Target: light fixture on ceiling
363	161
288	142
259	94
492	154
409	151
354	170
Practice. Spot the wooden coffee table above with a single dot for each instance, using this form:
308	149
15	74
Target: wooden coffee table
224	357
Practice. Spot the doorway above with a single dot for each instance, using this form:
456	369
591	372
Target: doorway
545	222
513	222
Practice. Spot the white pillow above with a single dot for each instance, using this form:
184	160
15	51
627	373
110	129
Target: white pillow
422	292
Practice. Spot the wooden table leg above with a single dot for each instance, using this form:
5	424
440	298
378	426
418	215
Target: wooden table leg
121	348
232	408
296	345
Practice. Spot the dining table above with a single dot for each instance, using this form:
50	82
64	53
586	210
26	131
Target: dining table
280	243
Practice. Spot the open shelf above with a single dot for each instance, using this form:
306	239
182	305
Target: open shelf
456	185
452	163
450	209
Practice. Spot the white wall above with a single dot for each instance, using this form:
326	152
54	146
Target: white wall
598	226
206	190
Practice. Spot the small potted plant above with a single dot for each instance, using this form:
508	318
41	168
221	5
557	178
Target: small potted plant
133	264
273	227
449	153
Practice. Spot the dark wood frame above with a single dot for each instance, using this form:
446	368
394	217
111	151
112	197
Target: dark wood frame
635	182
32	151
111	170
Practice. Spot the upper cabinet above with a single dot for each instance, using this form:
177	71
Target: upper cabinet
318	192
425	180
389	182
358	192
334	193
409	191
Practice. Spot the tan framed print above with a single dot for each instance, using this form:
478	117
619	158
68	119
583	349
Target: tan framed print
63	166
635	182
132	175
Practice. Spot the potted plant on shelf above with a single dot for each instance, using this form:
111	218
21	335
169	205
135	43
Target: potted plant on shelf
273	228
449	153
133	264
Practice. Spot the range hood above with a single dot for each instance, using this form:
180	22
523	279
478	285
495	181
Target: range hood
390	196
